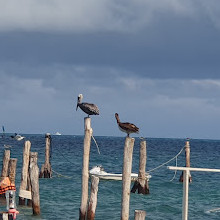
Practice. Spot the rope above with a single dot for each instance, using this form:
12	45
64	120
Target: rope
60	175
143	138
174	172
166	162
65	157
96	144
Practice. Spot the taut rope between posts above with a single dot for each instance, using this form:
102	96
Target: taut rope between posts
61	175
163	164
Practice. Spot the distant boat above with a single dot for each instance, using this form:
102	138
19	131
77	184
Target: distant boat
57	133
17	137
99	172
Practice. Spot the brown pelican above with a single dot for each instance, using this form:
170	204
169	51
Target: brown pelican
126	126
88	108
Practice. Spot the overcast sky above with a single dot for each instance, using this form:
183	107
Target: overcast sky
155	62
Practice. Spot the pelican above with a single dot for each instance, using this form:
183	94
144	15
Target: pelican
126	126
88	108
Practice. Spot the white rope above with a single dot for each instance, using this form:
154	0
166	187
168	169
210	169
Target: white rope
96	144
166	162
174	172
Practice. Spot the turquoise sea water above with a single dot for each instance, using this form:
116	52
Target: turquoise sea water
60	196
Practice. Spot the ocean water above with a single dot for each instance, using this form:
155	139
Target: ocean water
60	196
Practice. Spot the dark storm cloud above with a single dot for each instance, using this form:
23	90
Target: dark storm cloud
171	47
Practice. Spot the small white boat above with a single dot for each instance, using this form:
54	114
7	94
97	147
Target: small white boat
99	172
17	137
57	133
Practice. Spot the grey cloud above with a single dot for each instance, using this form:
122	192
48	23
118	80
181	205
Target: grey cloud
43	103
32	15
171	52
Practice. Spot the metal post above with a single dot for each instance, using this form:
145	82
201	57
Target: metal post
186	173
185	194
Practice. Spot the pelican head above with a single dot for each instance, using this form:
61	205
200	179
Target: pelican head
80	97
117	117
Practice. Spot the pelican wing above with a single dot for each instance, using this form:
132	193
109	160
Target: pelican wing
89	108
129	127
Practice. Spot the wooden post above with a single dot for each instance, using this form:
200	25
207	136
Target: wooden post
126	177
85	168
5	164
6	216
34	177
93	198
29	200
46	170
187	155
139	215
24	174
142	182
12	170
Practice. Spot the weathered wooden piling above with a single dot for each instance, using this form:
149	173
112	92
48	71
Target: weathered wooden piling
5	164
85	168
24	173
6	216
46	170
12	170
141	184
93	198
34	178
187	156
139	215
126	177
29	200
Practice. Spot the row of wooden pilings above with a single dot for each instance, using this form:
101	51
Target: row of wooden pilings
29	187
88	213
87	209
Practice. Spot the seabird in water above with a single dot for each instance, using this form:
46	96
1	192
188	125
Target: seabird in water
88	108
126	126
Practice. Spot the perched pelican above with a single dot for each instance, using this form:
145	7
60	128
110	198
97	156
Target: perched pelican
88	108
126	126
